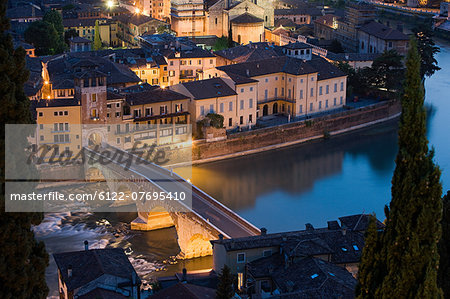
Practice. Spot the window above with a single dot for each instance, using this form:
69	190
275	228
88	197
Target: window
276	92
118	105
289	93
282	91
250	103
117	114
320	105
40	114
250	118
242	104
211	61
42	138
118	140
334	102
267	80
265	94
320	90
312	92
230	122
211	108
267	253
241	120
327	89
66	126
311	107
163	109
60	113
230	106
221	108
301	109
335	87
202	110
94	113
326	103
301	94
312	78
251	88
242	90
342	86
94	97
108	106
241	257
341	101
178	107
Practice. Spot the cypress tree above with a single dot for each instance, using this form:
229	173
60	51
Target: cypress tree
409	245
368	275
225	285
23	260
97	39
444	248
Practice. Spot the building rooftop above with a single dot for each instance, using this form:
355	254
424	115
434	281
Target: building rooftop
305	278
154	95
194	52
246	18
344	244
135	19
297	45
352	56
251	52
185	291
210	88
290	65
88	265
55	103
79	39
303	10
25	11
383	32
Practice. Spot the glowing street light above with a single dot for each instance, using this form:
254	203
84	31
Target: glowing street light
110	3
137	10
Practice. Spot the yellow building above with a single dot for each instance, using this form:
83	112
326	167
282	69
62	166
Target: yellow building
86	28
130	26
58	126
188	18
235	101
292	86
188	65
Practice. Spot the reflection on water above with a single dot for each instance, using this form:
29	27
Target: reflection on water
280	190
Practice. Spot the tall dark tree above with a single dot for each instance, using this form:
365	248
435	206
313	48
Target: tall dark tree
43	36
68	34
369	274
225	285
230	38
409	253
53	17
427	49
23	260
444	248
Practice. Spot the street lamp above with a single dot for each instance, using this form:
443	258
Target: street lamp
137	10
110	3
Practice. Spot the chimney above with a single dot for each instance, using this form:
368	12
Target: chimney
184	276
69	271
263	231
86	245
247	71
344	231
220	237
309	227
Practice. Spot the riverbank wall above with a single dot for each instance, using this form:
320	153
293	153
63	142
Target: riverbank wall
260	140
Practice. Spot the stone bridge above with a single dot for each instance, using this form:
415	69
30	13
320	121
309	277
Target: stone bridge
196	221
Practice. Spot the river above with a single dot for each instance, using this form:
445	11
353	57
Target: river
280	190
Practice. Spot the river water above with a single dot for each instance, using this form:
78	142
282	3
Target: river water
280	190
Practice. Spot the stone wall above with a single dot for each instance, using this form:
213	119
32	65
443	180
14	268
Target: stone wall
313	128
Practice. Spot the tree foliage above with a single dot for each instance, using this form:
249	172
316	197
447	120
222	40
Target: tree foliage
368	271
221	44
444	248
387	70
225	285
97	39
23	260
427	49
407	258
47	36
68	34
